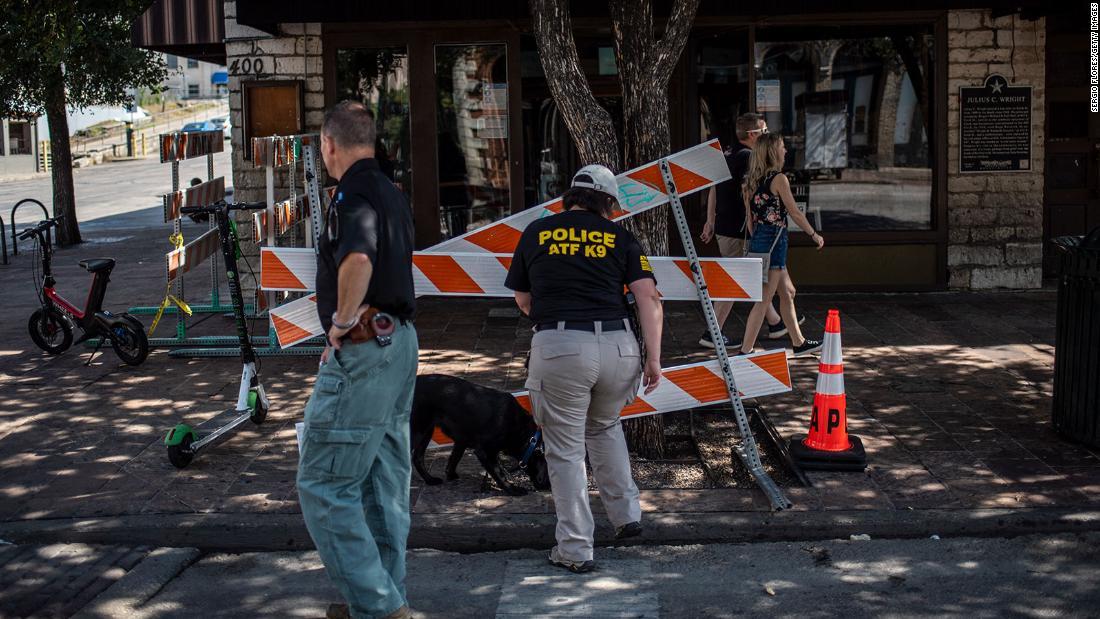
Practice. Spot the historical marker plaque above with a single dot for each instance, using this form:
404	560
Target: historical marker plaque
995	127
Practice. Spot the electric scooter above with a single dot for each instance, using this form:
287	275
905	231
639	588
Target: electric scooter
182	441
51	326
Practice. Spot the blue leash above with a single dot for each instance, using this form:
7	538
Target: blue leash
532	445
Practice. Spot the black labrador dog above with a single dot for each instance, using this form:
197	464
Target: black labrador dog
488	421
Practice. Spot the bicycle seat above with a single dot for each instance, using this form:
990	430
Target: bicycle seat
96	265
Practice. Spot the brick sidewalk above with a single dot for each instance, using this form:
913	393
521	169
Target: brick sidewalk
951	393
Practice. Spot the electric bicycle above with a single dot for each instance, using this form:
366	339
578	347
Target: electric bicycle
182	442
51	326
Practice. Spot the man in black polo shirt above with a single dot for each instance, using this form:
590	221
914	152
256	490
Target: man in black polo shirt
726	218
354	468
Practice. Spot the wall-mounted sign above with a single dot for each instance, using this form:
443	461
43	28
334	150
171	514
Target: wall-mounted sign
995	127
767	95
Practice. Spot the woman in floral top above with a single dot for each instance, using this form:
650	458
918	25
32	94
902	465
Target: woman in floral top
768	203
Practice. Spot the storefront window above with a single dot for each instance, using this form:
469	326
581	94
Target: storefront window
379	78
854	110
472	136
722	80
20	141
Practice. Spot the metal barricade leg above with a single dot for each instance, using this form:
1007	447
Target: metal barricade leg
747	452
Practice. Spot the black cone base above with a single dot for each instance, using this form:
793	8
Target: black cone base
853	459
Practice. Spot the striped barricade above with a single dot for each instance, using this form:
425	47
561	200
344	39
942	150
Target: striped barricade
696	384
640	189
292	269
203	194
182	260
296	321
177	146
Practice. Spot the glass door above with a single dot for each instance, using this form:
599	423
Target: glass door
379	78
472	136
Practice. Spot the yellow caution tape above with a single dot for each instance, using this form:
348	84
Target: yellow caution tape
177	241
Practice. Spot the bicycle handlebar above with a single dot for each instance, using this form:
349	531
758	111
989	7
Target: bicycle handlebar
42	226
213	208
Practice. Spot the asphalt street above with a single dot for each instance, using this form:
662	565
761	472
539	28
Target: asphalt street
115	195
1037	576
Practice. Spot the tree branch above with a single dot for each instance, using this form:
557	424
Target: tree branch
589	123
672	43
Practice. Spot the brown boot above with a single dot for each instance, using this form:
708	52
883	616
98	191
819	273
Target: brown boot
400	613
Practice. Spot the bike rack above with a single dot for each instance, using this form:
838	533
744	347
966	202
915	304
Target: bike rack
14	240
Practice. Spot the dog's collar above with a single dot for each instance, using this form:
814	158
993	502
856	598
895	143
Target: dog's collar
532	445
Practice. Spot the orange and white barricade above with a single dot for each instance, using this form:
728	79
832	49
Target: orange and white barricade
294	269
696	384
640	189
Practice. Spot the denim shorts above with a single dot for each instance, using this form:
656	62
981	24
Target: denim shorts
763	235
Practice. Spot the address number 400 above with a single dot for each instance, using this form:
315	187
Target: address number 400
247	66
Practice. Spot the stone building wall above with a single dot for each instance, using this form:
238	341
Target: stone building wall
995	221
295	55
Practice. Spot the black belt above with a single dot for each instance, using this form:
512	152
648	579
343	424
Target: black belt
590	326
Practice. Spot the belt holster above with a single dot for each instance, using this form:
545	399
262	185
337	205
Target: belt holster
364	330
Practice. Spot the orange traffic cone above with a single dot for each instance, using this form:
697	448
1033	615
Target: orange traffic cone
828	446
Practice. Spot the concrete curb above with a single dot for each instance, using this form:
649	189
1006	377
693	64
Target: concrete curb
139	585
492	532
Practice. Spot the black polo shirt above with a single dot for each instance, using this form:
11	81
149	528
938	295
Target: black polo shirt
368	215
575	265
729	208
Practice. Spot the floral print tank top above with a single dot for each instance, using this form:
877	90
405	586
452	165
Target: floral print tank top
767	208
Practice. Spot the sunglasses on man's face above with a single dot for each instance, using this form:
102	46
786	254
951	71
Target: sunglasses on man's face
761	130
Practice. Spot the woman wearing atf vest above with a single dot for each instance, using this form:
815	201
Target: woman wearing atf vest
568	274
768	203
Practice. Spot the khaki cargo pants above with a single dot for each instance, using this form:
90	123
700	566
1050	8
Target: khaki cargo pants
579	382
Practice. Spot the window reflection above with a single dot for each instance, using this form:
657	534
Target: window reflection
472	136
854	113
379	78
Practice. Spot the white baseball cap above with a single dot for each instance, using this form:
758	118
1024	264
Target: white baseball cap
597	177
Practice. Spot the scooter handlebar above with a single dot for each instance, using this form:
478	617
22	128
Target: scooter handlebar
42	226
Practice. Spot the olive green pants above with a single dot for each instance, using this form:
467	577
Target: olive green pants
579	382
354	470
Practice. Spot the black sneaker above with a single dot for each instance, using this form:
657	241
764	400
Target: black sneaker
628	530
808	346
581	567
706	342
779	329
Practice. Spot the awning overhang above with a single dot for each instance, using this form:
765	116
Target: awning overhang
189	28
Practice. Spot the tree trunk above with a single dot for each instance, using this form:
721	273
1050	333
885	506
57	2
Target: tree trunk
588	122
61	170
645	66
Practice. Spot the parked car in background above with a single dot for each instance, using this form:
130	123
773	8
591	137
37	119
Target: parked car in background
205	125
222	122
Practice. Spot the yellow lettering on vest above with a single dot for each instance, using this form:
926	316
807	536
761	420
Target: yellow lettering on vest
595	236
595	251
544	236
574	248
609	239
560	234
553	249
573	236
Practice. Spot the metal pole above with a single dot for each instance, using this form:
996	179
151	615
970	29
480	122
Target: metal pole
747	451
214	258
177	230
313	192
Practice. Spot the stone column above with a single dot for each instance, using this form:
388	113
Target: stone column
995	221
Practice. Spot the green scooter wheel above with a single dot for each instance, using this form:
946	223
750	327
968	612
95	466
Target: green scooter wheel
178	442
256	405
